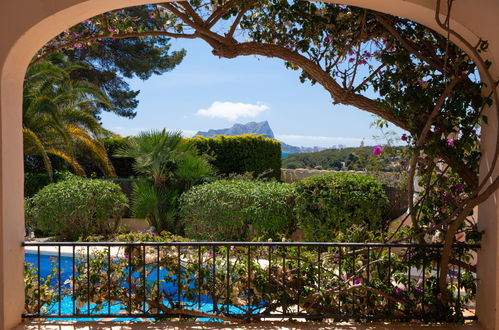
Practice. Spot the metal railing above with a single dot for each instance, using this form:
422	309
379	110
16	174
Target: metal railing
237	281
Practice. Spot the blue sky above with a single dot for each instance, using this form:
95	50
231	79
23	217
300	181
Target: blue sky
206	92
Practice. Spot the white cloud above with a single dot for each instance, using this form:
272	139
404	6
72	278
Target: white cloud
231	110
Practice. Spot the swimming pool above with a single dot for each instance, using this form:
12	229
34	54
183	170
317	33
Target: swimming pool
67	305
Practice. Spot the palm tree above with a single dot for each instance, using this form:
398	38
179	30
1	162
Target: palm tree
58	116
170	165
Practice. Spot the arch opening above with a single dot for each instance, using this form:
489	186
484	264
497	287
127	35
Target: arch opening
11	73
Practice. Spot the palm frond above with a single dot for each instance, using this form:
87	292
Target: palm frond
30	136
68	159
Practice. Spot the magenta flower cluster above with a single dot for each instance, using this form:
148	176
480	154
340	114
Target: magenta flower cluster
377	150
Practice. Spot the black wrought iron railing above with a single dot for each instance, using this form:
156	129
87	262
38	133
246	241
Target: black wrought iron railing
246	281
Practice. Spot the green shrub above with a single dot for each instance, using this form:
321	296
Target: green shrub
235	210
329	204
242	153
76	207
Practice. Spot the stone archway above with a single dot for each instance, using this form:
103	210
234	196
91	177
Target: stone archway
25	25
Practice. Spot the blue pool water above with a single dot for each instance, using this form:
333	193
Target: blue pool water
67	305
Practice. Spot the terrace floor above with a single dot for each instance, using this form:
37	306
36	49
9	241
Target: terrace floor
65	325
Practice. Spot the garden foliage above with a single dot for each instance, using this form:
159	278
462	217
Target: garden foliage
242	154
168	165
59	117
238	210
357	159
76	207
330	203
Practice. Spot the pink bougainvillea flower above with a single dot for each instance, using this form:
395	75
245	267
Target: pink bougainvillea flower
112	30
328	39
126	256
404	161
377	150
78	45
87	21
357	281
459	187
432	226
450	142
404	137
397	291
351	60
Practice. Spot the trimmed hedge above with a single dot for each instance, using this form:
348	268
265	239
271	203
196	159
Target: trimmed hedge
242	154
329	204
237	210
76	207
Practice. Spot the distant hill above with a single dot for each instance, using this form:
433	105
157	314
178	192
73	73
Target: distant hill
357	159
289	148
261	128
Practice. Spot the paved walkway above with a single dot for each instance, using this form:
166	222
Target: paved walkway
249	326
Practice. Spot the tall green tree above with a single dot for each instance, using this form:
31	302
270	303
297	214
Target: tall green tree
169	165
109	60
58	116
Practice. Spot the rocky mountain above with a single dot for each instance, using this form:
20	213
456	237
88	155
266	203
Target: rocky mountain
262	127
